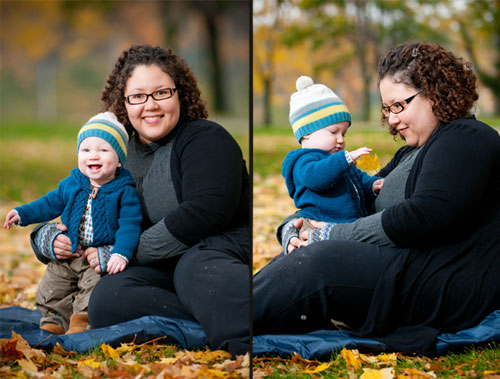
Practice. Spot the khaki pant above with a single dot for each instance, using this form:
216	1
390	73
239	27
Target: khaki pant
65	290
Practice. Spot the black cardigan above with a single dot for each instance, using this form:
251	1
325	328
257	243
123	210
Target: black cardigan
211	182
449	279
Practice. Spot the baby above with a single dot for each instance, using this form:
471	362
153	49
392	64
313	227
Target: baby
100	208
322	177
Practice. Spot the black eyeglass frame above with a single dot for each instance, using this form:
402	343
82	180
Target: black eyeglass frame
152	94
386	111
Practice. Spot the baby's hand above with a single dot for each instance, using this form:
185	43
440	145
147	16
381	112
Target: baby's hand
356	154
11	218
377	185
116	264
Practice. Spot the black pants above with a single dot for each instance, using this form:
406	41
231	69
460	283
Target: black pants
209	283
302	291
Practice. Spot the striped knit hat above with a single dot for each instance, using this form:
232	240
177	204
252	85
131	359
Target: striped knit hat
315	106
106	126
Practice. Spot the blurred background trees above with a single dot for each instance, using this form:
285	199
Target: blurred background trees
56	54
339	42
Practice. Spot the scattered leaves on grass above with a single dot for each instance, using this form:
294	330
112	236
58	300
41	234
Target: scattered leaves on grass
271	204
18	359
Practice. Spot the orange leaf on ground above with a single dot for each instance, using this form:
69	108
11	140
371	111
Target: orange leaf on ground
16	347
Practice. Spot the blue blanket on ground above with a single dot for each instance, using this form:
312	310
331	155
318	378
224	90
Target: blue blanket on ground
190	335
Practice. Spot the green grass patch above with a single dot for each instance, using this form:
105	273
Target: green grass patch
40	131
34	157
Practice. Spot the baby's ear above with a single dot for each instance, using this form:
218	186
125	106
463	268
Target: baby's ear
119	164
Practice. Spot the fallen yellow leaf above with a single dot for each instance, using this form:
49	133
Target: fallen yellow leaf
28	366
90	363
126	347
384	373
169	361
413	373
321	367
208	356
381	359
109	352
351	357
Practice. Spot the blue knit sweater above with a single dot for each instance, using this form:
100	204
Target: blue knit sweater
325	187
116	210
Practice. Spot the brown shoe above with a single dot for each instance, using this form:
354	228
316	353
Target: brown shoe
78	323
52	328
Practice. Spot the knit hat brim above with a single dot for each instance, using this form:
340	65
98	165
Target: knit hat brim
106	126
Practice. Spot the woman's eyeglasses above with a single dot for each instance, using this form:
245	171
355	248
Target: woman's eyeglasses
141	98
399	106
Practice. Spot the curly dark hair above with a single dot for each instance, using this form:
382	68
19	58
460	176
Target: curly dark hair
192	106
447	80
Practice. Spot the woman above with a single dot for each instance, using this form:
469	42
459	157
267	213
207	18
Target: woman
433	260
193	258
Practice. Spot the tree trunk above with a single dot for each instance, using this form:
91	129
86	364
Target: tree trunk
267	102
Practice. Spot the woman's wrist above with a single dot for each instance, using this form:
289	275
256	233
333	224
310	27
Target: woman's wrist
287	233
321	234
44	240
103	256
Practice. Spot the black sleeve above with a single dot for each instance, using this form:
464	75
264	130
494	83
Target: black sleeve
447	192
210	176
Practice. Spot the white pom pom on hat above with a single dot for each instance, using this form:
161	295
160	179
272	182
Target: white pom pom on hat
303	82
315	106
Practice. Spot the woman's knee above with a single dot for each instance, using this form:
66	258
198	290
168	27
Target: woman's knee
195	268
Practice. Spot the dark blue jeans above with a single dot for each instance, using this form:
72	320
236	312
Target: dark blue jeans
303	291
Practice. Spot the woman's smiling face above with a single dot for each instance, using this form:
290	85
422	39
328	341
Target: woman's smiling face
416	122
154	119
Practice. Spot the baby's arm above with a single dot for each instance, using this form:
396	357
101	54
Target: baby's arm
11	218
116	264
356	154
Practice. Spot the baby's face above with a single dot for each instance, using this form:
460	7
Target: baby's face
330	138
97	160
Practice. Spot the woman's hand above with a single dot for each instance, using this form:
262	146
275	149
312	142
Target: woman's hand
116	264
377	185
62	245
304	236
90	254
